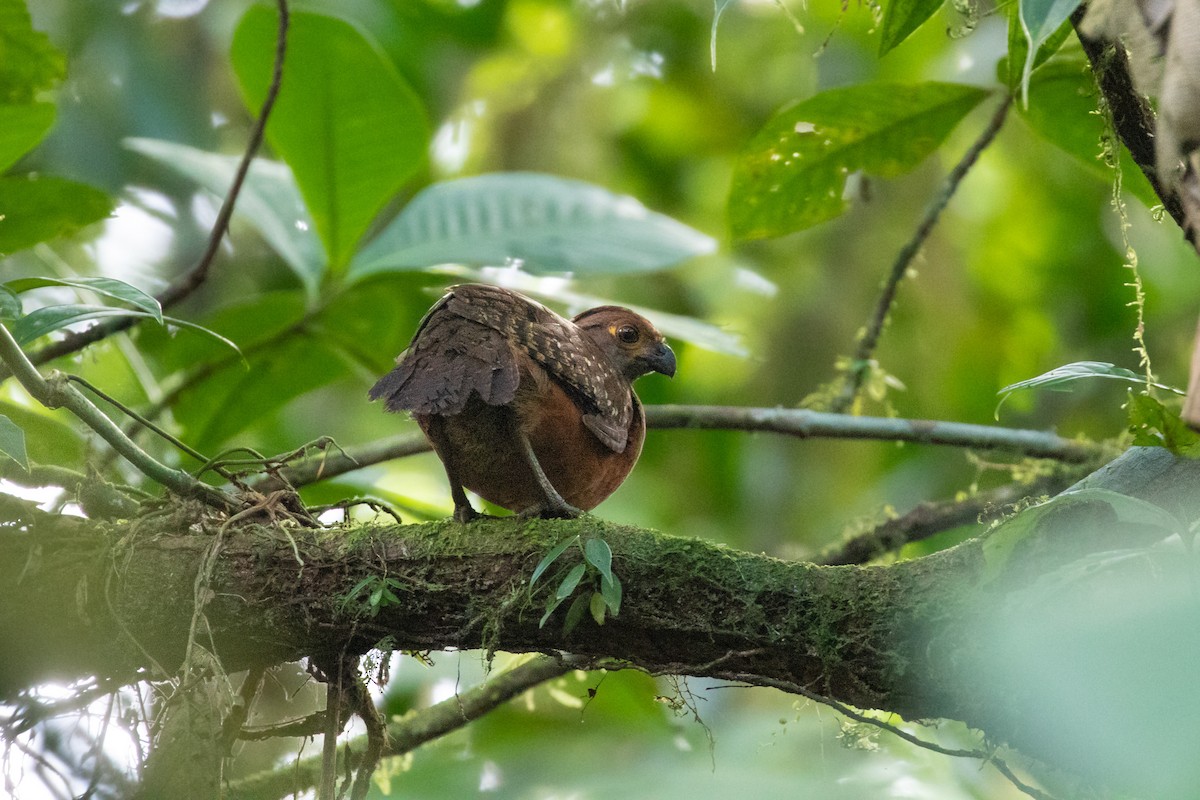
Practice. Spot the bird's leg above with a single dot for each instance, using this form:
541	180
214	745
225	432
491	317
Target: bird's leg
463	510
555	506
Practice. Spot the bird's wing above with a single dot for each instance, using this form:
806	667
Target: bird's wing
470	341
449	358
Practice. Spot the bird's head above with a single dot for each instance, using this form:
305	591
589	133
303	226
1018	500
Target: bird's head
633	344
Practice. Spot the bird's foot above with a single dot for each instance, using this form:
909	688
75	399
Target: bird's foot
467	513
552	510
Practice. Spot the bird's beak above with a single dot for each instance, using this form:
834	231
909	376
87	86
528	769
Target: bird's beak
662	359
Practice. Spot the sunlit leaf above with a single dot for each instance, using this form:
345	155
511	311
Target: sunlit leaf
543	222
36	209
1040	19
109	287
21	128
350	127
901	18
12	442
30	63
793	173
269	201
550	558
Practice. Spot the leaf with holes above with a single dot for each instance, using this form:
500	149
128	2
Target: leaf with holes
793	173
12	442
544	223
109	287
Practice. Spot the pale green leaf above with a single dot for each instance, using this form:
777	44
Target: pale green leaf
109	287
269	201
12	442
350	127
29	62
550	558
793	173
541	222
1040	19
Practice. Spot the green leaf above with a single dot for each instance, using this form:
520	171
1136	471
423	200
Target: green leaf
1153	425
12	442
351	128
35	209
901	18
109	287
51	318
1060	379
575	614
269	201
21	128
612	592
570	582
29	63
1062	107
551	604
550	558
542	222
599	555
719	7
10	304
1040	19
1010	70
597	606
793	173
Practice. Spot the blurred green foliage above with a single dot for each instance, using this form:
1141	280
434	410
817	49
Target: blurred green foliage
1023	273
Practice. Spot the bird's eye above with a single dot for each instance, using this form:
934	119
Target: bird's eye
628	334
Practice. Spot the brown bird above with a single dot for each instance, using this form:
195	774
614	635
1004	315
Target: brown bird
532	411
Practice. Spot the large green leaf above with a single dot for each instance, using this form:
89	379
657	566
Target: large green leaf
901	18
350	127
1062	109
35	209
1040	19
28	62
22	127
109	287
269	201
48	437
546	223
792	174
12	442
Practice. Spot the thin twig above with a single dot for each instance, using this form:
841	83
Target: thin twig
376	740
928	519
804	424
59	393
195	277
983	755
860	366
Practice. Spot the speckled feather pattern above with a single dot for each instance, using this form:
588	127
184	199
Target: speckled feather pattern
472	341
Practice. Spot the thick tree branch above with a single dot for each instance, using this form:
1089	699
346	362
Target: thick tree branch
930	637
